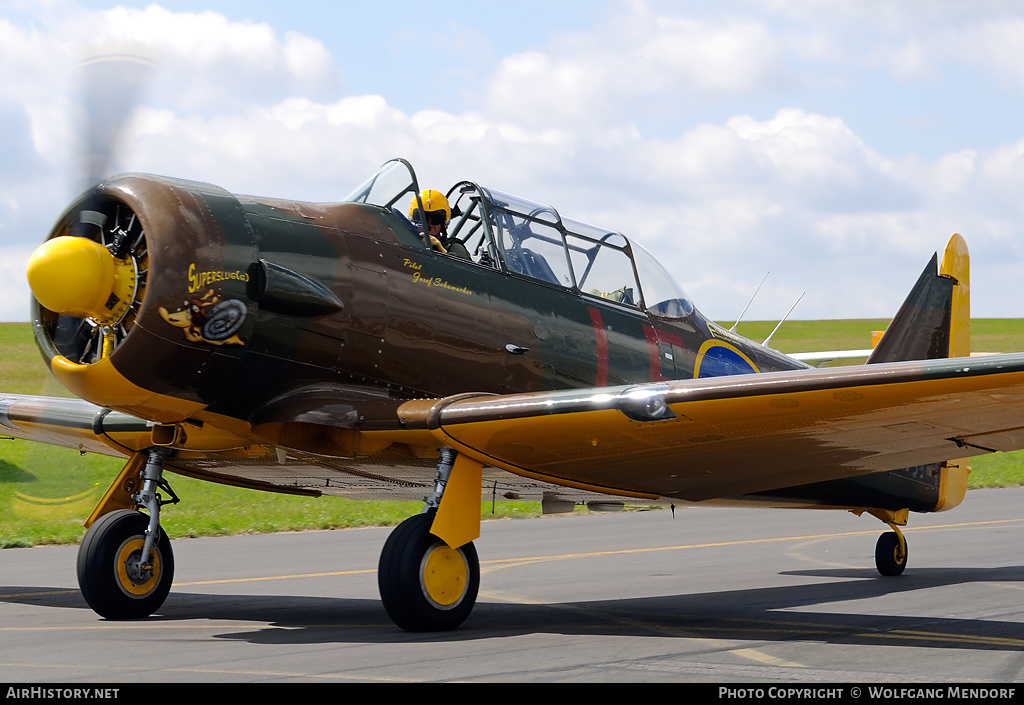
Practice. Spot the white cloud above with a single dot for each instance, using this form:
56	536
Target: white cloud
14	301
721	199
209	63
638	57
737	198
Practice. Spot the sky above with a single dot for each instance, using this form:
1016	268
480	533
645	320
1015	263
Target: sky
836	145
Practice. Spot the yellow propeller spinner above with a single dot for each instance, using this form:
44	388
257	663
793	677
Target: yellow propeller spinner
78	277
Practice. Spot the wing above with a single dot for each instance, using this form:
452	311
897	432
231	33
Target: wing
74	423
71	423
730	436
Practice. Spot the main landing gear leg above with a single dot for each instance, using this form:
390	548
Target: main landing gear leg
891	549
425	583
125	563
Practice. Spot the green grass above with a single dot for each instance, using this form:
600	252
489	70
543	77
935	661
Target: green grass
813	336
46	492
22	369
987	334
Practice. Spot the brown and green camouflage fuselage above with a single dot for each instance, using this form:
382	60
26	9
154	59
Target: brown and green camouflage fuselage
342	301
306	326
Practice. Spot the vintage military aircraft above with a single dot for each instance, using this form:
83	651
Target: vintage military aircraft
332	349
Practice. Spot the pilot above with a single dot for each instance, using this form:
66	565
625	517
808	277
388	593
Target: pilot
438	213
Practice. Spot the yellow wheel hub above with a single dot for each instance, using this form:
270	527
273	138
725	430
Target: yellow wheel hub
134	581
444	576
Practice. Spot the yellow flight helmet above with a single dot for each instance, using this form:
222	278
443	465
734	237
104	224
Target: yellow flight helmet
433	202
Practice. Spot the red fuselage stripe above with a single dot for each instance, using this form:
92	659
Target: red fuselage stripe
652	352
601	347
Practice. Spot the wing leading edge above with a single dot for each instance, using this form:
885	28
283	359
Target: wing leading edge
88	428
729	436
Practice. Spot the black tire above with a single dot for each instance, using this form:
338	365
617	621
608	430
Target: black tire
106	574
424	585
887	558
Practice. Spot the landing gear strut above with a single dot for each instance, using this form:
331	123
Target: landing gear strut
125	563
891	553
425	584
891	549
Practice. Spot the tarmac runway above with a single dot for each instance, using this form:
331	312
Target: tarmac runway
713	595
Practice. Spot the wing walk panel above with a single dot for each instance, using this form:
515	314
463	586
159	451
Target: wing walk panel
733	436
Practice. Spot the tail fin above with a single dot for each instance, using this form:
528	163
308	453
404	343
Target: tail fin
935	320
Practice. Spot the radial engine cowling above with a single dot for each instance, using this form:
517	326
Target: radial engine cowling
120	312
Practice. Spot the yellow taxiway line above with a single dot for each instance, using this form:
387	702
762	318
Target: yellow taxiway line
499	563
775	627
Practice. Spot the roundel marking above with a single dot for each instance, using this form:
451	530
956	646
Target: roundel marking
717	358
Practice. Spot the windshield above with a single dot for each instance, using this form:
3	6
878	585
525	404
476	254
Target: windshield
663	296
395	183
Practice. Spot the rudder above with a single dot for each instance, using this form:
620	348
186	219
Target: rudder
934	321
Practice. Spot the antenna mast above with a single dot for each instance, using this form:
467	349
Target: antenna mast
765	343
733	329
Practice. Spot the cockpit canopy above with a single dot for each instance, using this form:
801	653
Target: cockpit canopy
514	235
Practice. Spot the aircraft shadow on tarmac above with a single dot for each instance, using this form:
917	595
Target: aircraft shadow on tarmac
751	614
